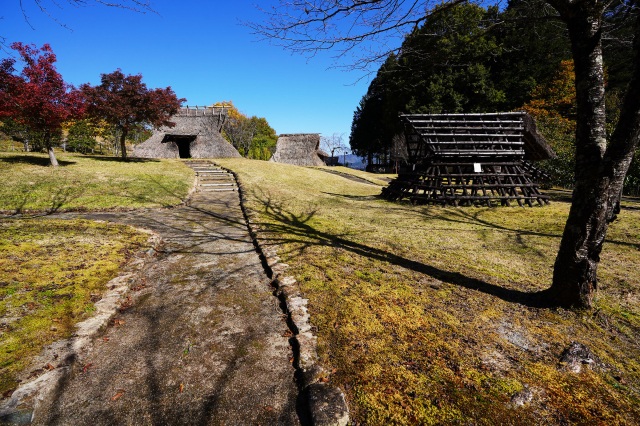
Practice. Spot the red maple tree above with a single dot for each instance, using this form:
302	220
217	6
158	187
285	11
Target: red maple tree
125	102
38	97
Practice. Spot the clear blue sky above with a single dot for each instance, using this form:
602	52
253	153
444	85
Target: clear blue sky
200	49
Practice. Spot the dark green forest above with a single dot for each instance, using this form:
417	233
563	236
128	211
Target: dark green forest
466	58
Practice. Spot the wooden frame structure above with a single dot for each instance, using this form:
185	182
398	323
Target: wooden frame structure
471	159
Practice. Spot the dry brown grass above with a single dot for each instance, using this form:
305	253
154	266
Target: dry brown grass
430	315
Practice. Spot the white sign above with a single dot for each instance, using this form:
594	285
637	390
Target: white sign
477	168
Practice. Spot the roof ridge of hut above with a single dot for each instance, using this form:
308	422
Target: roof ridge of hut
298	134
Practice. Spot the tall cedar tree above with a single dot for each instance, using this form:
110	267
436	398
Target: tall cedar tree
38	97
125	102
602	162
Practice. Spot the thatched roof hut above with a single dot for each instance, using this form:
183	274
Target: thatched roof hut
299	149
195	135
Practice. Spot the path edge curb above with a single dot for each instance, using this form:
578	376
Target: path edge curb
68	350
327	403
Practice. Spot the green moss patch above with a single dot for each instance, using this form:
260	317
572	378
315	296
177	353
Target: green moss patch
89	182
51	273
431	315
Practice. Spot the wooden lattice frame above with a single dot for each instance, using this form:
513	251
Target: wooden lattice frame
469	159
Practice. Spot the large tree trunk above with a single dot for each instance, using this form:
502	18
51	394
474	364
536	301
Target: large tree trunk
52	155
123	146
599	173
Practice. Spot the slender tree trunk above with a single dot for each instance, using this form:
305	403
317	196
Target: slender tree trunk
52	155
123	146
600	171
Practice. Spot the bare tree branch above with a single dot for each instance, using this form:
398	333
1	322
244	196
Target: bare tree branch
139	6
361	32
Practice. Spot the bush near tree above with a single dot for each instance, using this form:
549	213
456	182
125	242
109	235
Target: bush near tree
81	137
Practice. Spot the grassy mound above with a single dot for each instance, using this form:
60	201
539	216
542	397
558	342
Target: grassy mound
89	182
432	315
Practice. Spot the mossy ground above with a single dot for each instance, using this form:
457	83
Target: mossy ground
51	273
430	315
89	182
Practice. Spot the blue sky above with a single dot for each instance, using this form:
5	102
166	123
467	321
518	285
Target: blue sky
200	49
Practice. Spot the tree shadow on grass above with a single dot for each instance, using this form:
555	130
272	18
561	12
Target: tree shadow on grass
121	160
288	227
56	201
33	160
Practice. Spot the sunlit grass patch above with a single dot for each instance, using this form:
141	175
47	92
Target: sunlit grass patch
89	182
51	273
377	179
429	314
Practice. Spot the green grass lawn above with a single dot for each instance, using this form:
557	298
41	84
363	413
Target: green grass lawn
428	315
52	271
89	182
378	178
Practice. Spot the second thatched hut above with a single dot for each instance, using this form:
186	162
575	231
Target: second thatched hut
301	149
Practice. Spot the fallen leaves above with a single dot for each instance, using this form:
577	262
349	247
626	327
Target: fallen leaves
181	389
118	395
125	304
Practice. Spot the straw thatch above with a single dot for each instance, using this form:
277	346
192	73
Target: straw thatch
536	147
298	149
195	135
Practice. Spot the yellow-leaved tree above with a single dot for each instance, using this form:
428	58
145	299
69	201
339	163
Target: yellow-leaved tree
553	105
253	137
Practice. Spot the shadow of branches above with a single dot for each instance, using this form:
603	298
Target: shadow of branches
287	227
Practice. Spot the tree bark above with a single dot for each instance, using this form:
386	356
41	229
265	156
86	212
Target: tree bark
600	171
123	146
52	155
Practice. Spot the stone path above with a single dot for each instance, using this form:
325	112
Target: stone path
204	341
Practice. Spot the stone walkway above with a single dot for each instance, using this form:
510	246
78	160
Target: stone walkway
204	341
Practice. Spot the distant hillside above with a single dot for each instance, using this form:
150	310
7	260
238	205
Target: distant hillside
353	161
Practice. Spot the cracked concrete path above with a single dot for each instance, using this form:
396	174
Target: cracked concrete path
204	341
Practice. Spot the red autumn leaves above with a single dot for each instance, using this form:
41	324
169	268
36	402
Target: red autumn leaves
38	97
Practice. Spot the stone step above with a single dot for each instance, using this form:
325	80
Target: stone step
218	189
217	184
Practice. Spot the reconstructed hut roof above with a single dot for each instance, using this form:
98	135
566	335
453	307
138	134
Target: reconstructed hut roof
299	149
507	134
197	127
